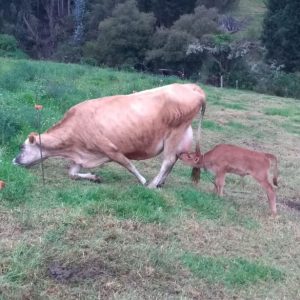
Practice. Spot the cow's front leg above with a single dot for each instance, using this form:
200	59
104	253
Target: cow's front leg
74	174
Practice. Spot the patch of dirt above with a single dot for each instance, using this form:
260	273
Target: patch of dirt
87	270
292	204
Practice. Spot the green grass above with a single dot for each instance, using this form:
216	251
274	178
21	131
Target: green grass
120	240
211	125
284	112
236	126
230	272
205	205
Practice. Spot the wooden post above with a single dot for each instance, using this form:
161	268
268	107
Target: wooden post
221	81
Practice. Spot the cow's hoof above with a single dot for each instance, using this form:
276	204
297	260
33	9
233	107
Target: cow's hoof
96	179
152	186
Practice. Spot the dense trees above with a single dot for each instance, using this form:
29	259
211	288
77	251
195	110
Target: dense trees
124	37
281	34
191	37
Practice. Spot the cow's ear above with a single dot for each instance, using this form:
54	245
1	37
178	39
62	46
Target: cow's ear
31	138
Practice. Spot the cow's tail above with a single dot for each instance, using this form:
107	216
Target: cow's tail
273	168
196	170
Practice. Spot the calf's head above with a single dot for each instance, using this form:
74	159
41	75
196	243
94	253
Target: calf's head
192	159
30	152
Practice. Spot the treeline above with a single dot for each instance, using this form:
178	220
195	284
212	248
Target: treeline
196	39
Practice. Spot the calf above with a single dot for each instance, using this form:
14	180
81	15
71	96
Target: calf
226	158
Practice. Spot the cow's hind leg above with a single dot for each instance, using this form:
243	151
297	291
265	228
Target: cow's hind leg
165	170
74	174
176	144
126	163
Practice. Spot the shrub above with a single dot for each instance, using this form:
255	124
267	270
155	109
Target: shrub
8	43
276	82
12	120
9	47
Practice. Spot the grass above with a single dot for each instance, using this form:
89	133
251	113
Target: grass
231	272
119	240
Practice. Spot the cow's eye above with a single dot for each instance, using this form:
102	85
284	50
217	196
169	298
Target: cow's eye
21	147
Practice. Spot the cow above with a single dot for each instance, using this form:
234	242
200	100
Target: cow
121	128
225	158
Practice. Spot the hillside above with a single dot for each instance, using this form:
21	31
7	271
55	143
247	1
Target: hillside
253	11
119	240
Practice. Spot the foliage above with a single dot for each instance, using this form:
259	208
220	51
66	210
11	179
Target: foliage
167	12
123	38
281	33
169	46
9	47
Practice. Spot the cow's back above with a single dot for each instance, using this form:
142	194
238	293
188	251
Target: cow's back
138	120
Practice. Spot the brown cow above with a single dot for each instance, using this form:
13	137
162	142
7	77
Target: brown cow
225	158
119	128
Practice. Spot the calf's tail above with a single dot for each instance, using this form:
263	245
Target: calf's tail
196	171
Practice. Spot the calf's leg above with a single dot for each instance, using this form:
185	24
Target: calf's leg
219	183
264	182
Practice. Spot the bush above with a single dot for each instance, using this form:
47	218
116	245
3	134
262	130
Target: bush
276	82
12	120
9	47
8	43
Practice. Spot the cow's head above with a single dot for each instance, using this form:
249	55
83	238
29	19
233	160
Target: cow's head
30	152
192	159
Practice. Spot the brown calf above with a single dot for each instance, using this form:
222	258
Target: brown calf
226	158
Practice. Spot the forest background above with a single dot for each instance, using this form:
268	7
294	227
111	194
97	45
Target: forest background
249	44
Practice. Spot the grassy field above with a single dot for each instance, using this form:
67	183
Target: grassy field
119	240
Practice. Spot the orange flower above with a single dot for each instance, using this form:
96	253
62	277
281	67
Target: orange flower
2	184
38	107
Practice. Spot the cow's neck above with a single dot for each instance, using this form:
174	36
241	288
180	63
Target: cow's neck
53	144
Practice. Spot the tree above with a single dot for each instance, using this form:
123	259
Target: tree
169	46
281	33
167	11
123	38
